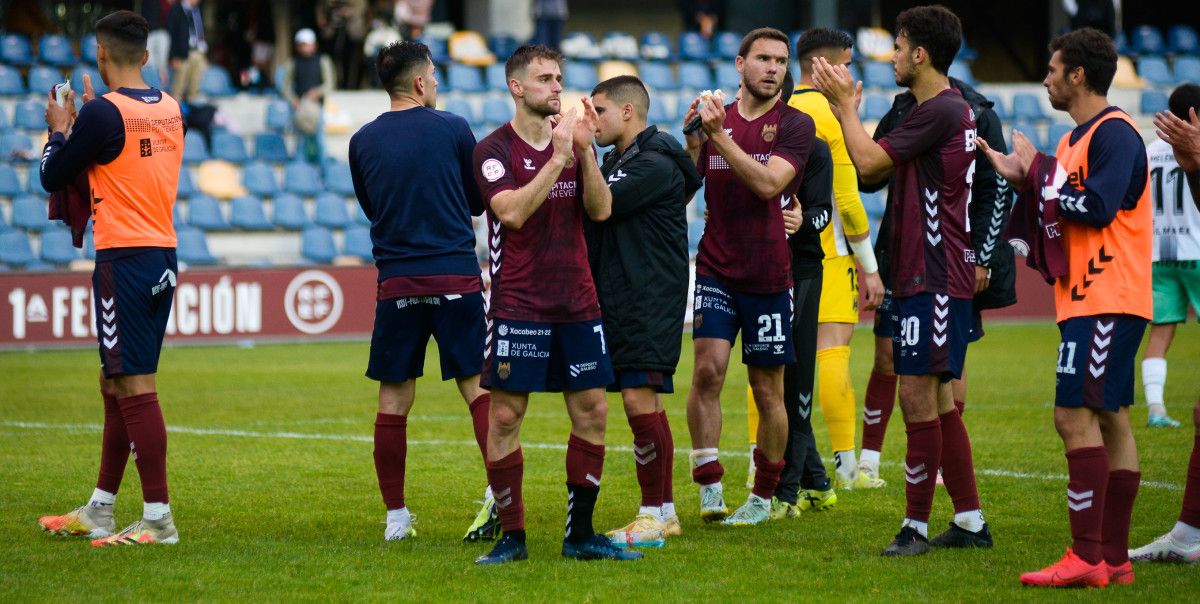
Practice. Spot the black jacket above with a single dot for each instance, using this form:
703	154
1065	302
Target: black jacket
639	256
991	199
179	27
816	197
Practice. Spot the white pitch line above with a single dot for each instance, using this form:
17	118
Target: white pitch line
1150	484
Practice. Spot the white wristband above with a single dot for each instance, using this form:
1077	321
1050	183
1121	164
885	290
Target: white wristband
866	255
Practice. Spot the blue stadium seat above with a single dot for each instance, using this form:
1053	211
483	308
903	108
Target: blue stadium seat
30	115
437	49
875	106
360	217
1034	132
695	232
57	247
177	217
1154	69
93	74
193	247
279	115
30	213
330	211
965	52
195	149
259	179
270	146
229	147
288	212
497	111
338	179
620	45
247	213
693	47
14	142
658	113
854	73
1000	106
1187	69
580	76
1152	101
215	82
960	71
89	242
42	79
877	74
496	80
87	49
301	178
1055	133
5	123
874	204
316	244
1027	106
728	79
357	243
696	75
10	82
464	78
725	45
462	107
10	184
4	226
16	50
55	49
150	75
502	45
33	181
657	76
186	188
1147	40
656	46
15	249
204	213
1182	40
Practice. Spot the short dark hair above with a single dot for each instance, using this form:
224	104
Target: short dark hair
1183	98
398	62
769	33
1092	50
626	89
819	38
935	29
123	34
526	54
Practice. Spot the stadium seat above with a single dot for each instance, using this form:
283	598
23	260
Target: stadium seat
502	45
1027	106
497	111
93	74
338	179
301	178
215	82
279	116
316	244
726	45
580	76
229	147
5	122
874	43
247	213
1154	69
1033	131
874	204
177	216
966	52
357	243
14	143
728	79
657	76
10	82
960	71
56	246
438	52
1182	40
1000	106
330	211
496	80
580	46
695	232
30	115
658	113
42	79
878	75
462	107
875	106
360	217
620	45
696	75
464	78
1055	133
10	184
259	179
33	181
288	212
87	49
16	50
469	48
30	213
656	46
55	49
204	213
15	249
270	146
185	188
1152	101
1187	69
195	149
150	75
693	47
1147	40
193	247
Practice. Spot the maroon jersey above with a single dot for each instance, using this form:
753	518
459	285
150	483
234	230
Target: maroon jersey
539	272
744	244
934	154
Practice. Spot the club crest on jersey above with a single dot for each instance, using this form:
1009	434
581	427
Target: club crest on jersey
697	321
492	170
769	131
503	370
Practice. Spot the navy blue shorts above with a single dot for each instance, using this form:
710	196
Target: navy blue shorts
662	383
133	297
527	356
1095	361
930	335
403	327
765	321
883	320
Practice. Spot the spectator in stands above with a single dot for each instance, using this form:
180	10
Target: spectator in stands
159	42
701	16
306	81
383	33
1100	14
413	15
549	16
342	24
188	47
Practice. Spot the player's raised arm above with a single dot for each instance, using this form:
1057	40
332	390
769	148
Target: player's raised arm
515	206
834	81
597	199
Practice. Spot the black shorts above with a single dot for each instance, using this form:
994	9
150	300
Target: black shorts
133	297
403	327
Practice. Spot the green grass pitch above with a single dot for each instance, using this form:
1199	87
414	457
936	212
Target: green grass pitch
274	493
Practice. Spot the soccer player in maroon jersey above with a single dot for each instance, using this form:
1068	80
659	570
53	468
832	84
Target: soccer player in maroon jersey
932	154
752	153
538	177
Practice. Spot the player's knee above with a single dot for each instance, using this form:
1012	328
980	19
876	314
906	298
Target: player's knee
505	418
707	379
883	360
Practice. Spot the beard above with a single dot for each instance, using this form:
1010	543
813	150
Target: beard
905	79
766	93
544	109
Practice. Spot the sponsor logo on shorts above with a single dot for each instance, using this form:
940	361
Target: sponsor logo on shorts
778	349
503	370
501	348
502	330
579	368
698	320
414	301
166	280
517	331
